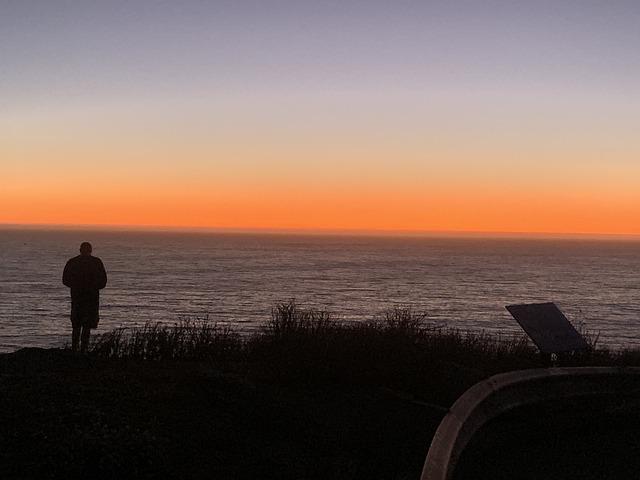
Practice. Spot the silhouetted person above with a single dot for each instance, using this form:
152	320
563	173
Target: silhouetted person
85	276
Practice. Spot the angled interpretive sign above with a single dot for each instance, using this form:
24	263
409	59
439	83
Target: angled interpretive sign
547	326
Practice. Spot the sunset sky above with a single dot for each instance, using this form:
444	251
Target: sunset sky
498	116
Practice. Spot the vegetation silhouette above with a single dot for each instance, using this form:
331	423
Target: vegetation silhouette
399	349
307	396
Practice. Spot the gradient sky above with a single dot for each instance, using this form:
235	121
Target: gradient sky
399	115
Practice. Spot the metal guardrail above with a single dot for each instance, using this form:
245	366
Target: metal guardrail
505	392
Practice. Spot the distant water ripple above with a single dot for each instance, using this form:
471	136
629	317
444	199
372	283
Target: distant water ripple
460	282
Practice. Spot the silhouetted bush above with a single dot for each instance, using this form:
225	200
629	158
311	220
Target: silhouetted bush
189	339
400	350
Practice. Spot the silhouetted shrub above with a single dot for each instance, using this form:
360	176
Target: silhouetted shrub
399	350
189	339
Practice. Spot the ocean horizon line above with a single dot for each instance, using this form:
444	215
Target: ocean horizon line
324	231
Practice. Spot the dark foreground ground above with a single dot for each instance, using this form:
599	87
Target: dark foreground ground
64	416
68	416
307	398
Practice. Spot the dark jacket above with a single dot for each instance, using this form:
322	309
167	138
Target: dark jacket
85	276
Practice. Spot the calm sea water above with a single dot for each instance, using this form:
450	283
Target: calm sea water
235	278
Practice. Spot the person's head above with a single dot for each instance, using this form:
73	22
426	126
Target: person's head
85	248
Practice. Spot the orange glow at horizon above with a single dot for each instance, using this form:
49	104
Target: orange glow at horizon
422	118
439	209
312	165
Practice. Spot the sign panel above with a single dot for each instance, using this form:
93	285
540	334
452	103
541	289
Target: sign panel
547	326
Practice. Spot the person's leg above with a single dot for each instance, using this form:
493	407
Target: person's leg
86	332
75	338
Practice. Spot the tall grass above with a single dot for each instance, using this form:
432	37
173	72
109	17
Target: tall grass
189	339
400	350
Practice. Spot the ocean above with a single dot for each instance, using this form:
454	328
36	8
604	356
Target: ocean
236	279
